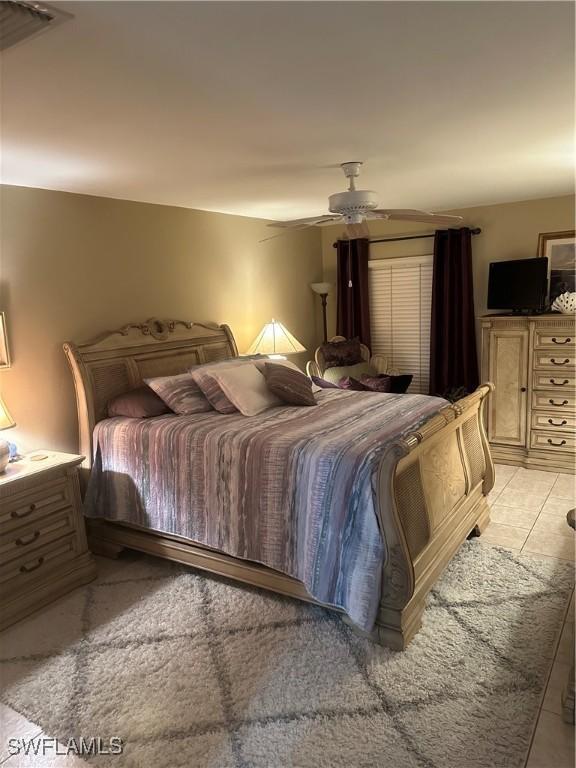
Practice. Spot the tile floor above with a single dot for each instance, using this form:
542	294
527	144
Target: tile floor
528	510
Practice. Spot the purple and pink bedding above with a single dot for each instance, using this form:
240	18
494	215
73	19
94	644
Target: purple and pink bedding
291	488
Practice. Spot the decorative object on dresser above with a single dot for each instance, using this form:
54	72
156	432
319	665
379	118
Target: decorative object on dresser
565	303
4	351
42	535
560	249
275	339
323	289
6	421
441	474
532	413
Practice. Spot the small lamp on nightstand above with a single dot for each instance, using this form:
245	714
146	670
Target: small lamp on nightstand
6	421
275	340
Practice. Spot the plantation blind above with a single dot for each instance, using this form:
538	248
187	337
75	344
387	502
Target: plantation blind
400	308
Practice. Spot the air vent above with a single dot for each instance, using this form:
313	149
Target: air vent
19	20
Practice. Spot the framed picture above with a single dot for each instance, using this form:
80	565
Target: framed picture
560	249
4	353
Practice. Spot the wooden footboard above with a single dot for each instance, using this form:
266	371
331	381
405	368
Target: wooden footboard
439	489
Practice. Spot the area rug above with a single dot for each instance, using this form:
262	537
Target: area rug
191	671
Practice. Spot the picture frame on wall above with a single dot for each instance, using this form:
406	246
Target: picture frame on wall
560	250
4	352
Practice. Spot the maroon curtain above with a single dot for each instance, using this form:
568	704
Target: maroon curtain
453	361
353	313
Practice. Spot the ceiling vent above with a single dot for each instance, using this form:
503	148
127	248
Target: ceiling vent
19	20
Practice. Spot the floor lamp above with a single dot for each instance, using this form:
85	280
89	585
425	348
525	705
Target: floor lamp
322	289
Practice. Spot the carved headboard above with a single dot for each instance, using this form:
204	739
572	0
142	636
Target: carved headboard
117	361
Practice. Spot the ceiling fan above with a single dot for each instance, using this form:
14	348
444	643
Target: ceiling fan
355	206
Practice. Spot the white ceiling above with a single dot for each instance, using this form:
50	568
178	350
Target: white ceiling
242	107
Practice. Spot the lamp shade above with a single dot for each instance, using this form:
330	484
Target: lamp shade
275	339
6	420
321	288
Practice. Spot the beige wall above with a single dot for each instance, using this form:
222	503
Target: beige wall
509	231
72	266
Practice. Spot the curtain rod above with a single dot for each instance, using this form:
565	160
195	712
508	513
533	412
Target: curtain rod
475	231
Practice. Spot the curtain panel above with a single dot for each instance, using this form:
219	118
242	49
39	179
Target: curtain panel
453	360
353	307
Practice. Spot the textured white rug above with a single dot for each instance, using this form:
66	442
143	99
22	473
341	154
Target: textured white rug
194	672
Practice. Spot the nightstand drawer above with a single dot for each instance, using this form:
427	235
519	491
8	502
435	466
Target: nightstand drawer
37	564
33	504
19	543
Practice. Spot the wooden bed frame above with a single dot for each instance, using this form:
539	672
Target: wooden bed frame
443	473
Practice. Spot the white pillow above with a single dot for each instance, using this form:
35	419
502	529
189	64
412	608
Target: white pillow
246	389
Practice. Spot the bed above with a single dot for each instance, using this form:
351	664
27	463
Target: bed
429	494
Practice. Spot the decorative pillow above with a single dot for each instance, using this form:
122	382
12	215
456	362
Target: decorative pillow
348	382
355	371
180	393
399	384
323	384
139	403
381	383
291	386
260	364
338	353
245	387
204	376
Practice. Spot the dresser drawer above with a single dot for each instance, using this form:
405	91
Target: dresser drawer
554	380
555	402
37	564
555	360
552	441
553	422
565	340
20	542
34	503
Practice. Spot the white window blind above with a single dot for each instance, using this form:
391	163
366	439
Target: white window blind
400	309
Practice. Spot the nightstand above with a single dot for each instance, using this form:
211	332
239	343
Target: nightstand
43	550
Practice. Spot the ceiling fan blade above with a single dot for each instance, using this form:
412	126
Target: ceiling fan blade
310	221
411	214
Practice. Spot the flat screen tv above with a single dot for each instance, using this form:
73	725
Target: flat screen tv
518	285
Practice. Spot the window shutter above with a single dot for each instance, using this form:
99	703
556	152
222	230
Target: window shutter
400	307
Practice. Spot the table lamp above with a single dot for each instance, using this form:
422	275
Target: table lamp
275	340
322	289
6	421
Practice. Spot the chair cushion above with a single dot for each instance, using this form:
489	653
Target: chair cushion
338	353
336	373
291	386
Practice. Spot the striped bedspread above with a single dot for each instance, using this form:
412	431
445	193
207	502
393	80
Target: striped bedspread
291	488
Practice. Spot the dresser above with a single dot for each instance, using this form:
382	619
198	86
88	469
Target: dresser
43	550
531	415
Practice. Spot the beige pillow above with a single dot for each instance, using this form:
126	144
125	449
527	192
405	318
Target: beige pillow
246	389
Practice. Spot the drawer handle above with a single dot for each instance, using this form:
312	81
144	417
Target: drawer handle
557	362
566	341
553	402
30	509
558	445
559	383
24	542
30	568
557	424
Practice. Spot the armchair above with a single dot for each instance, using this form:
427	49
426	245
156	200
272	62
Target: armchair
372	364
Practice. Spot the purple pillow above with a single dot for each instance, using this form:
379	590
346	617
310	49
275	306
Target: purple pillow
323	384
385	382
348	382
338	353
139	403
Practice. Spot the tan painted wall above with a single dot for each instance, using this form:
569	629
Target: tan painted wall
72	266
509	231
